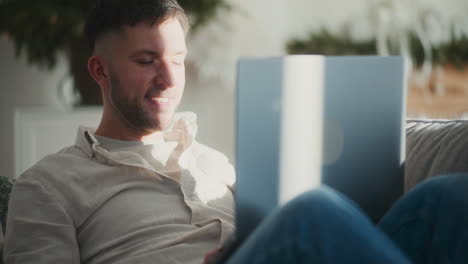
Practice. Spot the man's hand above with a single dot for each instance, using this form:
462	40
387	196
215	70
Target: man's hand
209	255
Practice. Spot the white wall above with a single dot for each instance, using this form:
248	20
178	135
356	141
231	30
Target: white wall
257	28
22	85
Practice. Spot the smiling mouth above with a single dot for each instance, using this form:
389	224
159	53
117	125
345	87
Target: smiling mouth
160	100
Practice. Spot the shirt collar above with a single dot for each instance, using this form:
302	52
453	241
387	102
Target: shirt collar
183	129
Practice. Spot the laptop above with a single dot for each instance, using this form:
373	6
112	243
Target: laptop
308	120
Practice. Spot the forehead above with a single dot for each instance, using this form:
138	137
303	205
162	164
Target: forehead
167	36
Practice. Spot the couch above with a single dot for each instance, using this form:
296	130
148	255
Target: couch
434	147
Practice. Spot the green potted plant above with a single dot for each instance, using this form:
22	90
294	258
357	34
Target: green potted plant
42	29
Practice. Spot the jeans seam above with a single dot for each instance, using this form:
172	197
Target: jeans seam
405	222
414	218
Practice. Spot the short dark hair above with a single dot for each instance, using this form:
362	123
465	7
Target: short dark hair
109	15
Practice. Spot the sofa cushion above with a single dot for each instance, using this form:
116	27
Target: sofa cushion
435	147
6	184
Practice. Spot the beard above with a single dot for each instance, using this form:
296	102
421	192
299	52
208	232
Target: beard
133	112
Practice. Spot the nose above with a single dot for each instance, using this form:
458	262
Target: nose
166	75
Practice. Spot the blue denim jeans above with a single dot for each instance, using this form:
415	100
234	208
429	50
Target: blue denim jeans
430	223
427	225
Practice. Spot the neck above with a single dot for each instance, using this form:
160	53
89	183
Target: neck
114	128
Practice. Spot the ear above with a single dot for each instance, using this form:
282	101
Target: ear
96	68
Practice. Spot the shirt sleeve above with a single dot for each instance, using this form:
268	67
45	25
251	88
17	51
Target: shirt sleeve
38	229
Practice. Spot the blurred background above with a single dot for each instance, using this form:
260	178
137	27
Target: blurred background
45	94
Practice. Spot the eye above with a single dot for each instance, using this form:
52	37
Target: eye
145	62
178	62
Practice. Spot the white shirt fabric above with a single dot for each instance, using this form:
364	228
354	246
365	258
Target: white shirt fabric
168	200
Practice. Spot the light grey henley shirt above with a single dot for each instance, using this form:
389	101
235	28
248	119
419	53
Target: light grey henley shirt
108	201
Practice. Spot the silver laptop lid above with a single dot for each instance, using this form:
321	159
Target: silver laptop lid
308	120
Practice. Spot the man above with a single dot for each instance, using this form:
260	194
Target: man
140	189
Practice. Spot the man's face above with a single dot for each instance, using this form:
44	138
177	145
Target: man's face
147	75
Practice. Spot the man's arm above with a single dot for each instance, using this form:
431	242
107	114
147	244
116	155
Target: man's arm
38	228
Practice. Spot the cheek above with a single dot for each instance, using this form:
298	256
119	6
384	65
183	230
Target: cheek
137	82
181	84
130	79
181	77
